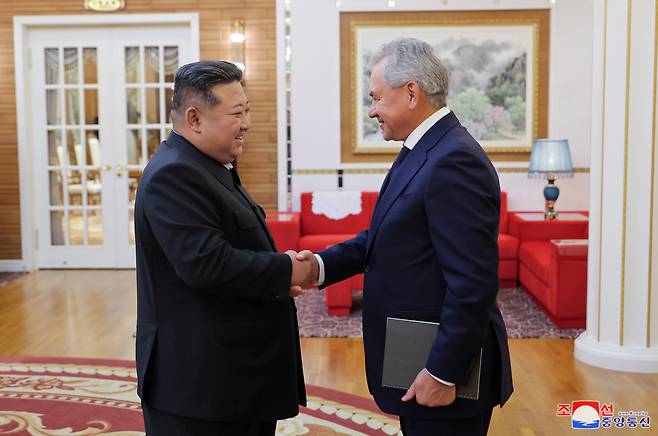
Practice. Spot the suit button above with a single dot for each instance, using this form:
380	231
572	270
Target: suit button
366	268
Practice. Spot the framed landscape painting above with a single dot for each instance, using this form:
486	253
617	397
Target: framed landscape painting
498	76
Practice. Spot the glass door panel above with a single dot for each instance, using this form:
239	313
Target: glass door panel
148	77
100	107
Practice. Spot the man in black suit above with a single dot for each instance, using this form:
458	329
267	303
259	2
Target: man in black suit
217	339
431	251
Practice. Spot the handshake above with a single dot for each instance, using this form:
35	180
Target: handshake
305	271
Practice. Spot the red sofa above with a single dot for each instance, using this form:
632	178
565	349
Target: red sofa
553	267
316	232
508	249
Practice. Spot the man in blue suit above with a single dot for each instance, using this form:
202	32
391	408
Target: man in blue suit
431	251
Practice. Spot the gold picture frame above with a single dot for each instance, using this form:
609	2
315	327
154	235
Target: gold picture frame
526	117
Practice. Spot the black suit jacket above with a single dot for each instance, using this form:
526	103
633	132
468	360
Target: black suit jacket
431	254
217	335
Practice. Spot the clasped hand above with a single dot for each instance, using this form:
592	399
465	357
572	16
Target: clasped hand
305	271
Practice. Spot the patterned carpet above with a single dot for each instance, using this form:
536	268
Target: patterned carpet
523	318
6	277
75	397
315	322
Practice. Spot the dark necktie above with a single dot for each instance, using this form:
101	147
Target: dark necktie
396	163
236	177
401	155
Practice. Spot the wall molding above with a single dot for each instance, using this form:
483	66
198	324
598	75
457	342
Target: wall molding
503	170
12	265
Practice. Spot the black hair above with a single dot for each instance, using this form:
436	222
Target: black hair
193	83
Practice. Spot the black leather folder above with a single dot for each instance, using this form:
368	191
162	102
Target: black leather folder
408	344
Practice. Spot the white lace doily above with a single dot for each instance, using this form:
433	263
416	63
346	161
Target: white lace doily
336	204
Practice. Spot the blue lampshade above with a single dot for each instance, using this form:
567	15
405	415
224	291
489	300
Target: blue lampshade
550	156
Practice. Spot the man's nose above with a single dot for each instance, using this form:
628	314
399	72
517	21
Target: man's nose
246	122
372	112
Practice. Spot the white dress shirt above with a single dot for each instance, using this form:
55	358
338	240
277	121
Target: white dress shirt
410	143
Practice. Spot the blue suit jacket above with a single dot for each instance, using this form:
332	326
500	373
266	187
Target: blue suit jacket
431	253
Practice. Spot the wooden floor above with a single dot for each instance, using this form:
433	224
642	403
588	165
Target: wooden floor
92	314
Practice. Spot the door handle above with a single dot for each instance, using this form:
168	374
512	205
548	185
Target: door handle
120	169
106	167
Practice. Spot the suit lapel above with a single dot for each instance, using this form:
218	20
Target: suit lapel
403	175
406	172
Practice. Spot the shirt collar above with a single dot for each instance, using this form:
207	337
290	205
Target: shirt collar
423	127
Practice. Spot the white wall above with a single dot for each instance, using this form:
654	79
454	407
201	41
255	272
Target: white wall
315	92
527	194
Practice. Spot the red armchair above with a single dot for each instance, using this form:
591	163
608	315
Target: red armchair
319	232
284	227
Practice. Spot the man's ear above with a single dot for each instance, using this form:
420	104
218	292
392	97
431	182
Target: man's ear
413	92
193	119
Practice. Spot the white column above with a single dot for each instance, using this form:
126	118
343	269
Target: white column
622	294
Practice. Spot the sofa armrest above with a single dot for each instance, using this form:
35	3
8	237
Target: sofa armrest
571	247
285	228
569	287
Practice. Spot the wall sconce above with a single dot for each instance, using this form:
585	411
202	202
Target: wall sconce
237	43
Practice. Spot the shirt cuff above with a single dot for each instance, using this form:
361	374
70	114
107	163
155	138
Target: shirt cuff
321	270
447	383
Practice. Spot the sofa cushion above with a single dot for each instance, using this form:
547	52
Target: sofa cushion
320	242
508	246
537	257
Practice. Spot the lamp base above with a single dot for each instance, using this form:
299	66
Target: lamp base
550	213
551	194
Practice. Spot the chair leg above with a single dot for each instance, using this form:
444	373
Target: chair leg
338	298
339	311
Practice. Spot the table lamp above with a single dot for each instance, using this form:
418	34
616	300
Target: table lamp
550	158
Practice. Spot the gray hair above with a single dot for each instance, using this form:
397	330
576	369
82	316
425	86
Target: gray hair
412	59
